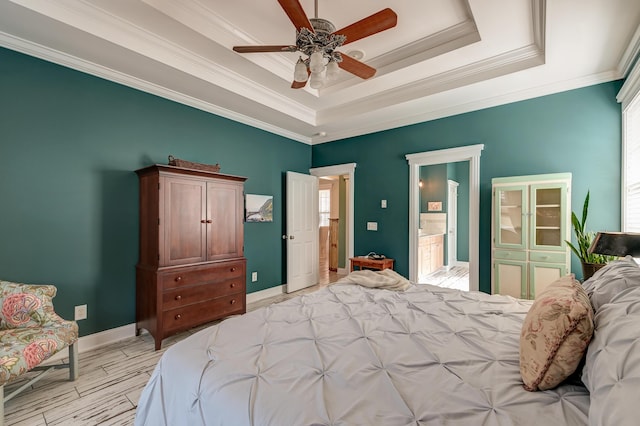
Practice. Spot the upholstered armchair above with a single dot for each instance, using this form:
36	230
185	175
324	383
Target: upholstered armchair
30	333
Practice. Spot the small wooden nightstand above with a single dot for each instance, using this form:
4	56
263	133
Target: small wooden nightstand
365	262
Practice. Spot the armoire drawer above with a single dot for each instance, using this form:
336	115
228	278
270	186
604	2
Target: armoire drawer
182	296
201	274
200	313
510	255
547	257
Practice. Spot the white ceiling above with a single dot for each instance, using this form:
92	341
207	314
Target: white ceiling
444	57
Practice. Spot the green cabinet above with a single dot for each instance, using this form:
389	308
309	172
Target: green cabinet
530	223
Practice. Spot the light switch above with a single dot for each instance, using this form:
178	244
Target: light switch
372	226
383	204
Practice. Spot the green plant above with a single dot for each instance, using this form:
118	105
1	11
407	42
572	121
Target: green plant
585	238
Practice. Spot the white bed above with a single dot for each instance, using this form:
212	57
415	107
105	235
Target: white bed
351	355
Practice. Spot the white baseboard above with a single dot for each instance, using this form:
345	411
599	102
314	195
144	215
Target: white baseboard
342	271
103	338
97	340
266	293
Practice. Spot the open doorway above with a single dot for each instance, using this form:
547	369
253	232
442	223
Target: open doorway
471	156
335	204
443	229
332	230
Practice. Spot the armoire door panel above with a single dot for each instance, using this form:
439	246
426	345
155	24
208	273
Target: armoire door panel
184	221
225	207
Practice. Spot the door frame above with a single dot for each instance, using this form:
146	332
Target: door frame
452	216
469	153
348	169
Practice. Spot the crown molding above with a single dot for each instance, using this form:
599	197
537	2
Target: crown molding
87	67
631	88
539	15
447	40
631	55
515	60
210	24
462	108
89	18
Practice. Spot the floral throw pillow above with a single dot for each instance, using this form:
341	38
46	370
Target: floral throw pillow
23	305
555	334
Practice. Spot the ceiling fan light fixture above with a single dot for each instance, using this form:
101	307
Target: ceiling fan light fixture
316	81
300	73
316	62
333	70
318	40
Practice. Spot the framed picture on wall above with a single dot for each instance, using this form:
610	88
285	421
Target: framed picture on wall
258	208
434	206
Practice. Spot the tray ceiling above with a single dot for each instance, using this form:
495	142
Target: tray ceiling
444	57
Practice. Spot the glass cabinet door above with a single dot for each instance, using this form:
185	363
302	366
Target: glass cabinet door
548	210
510	209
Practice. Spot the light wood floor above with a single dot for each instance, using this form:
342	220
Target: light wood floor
456	277
110	382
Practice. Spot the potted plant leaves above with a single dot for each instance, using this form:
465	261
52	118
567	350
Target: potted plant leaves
591	262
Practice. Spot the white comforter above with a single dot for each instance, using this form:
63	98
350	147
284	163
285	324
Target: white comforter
350	355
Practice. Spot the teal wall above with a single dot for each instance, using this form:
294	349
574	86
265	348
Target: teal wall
577	131
69	146
434	186
435	180
70	142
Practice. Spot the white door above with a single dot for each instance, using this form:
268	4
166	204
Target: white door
302	231
452	224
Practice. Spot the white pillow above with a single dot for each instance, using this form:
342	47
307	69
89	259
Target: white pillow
612	280
612	366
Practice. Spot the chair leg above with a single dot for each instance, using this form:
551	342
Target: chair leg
1	405
73	361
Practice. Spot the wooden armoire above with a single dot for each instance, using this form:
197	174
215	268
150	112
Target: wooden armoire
191	267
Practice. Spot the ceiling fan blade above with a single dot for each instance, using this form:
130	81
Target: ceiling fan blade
259	49
370	25
356	67
298	84
296	14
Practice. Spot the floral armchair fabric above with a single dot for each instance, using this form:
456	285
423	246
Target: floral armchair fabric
30	330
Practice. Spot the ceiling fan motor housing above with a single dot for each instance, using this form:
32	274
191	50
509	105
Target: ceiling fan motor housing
321	40
322	26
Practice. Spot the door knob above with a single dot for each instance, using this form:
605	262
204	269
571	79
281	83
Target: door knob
284	237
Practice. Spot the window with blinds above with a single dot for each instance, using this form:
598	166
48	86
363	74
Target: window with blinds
631	161
325	206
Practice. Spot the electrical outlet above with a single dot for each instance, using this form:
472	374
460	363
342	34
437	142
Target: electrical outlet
254	277
80	312
372	226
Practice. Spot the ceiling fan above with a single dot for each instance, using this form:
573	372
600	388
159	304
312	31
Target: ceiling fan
318	39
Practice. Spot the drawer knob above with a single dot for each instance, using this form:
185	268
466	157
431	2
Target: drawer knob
233	301
209	221
178	316
178	279
178	297
232	285
233	269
